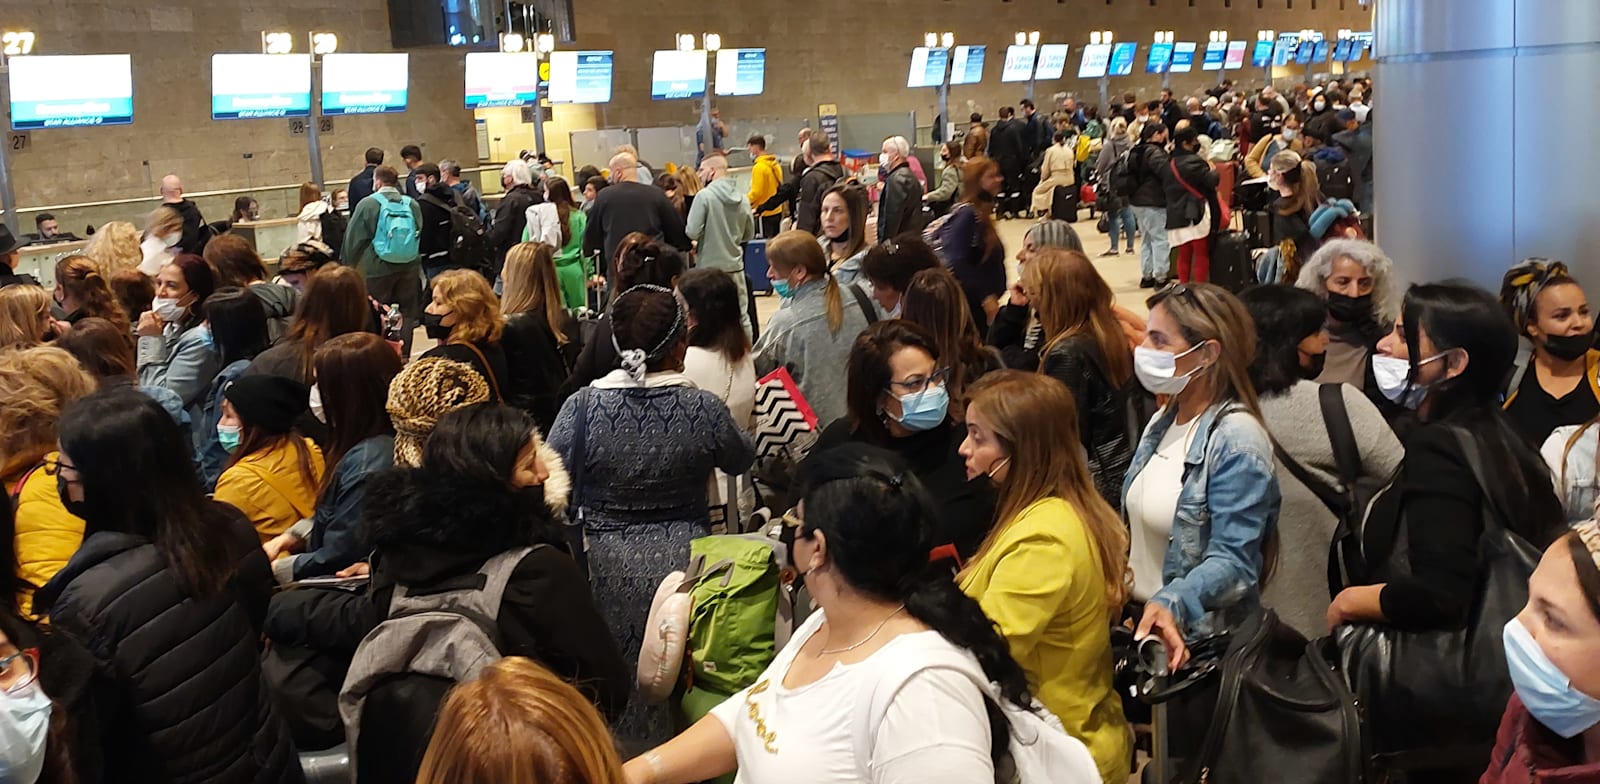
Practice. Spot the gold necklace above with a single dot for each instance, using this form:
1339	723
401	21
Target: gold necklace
865	640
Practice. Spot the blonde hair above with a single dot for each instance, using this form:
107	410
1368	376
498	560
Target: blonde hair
1036	420
796	248
115	248
36	384
162	221
1073	299
81	279
473	303
517	723
530	284
309	192
1307	190
24	311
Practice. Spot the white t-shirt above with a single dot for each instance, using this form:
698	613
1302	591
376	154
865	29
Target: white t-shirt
936	730
734	384
1152	503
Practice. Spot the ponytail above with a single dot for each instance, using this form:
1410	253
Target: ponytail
834	301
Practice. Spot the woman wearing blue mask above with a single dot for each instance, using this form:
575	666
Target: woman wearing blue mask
812	332
1447	358
1551	728
273	472
1201	495
897	398
1053	574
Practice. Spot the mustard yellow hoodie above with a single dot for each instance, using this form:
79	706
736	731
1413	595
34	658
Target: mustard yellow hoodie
269	488
764	179
46	533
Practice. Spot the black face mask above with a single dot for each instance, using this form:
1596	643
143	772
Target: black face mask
79	509
1350	310
1318	362
844	236
434	326
1568	347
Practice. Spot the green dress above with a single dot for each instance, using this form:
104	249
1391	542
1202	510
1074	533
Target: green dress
572	269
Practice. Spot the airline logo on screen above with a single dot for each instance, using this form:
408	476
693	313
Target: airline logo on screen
249	107
372	102
66	114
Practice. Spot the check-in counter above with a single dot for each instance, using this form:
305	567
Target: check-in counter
271	237
40	260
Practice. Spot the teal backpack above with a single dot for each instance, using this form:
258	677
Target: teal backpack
396	239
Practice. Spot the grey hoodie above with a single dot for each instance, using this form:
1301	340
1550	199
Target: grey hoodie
279	302
720	222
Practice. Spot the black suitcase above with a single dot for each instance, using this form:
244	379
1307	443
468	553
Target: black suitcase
1231	265
1064	203
1258	228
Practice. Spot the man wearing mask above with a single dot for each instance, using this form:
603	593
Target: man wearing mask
720	223
436	236
627	206
900	207
1008	147
1266	117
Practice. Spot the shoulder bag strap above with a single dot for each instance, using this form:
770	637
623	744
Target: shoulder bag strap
1474	456
1331	497
488	369
866	304
1181	181
1346	453
580	455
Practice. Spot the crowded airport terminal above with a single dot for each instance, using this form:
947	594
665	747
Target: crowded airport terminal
903	392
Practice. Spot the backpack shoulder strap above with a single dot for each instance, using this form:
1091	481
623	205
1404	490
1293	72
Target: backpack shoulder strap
1346	453
480	602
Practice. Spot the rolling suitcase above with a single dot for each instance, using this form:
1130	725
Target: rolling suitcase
1231	265
1258	228
1064	202
755	265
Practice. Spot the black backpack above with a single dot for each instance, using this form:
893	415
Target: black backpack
1337	181
1124	181
333	226
469	239
1349	500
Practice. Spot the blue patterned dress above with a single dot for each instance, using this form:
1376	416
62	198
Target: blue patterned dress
649	455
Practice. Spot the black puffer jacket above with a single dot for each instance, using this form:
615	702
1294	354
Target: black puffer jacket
177	694
1183	209
432	532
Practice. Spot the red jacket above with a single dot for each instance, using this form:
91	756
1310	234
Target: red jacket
1526	752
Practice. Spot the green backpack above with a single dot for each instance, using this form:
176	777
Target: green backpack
733	616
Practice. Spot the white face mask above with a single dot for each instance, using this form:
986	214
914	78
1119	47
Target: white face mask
173	239
1393	376
1157	370
167	308
24	728
1289	134
316	404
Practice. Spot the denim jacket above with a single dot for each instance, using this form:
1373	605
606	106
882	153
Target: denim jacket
1229	503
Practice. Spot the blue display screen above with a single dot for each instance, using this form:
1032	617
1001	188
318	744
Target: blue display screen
741	71
1160	59
927	67
1183	57
1320	54
967	65
1122	55
1303	54
1215	55
1261	56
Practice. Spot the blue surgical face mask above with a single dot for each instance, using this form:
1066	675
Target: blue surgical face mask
782	288
24	728
228	436
924	410
1545	690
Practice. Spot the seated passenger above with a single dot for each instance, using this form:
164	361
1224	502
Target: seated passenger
24	316
860	542
105	349
82	292
273	472
238	324
175	346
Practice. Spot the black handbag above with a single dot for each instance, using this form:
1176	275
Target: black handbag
1433	699
1257	704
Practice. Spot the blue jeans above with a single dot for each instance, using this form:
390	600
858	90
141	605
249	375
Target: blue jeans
1154	250
1121	219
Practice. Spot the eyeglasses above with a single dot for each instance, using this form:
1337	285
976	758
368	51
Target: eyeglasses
55	466
19	669
920	384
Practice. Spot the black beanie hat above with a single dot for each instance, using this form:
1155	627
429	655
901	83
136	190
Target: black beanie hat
271	403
